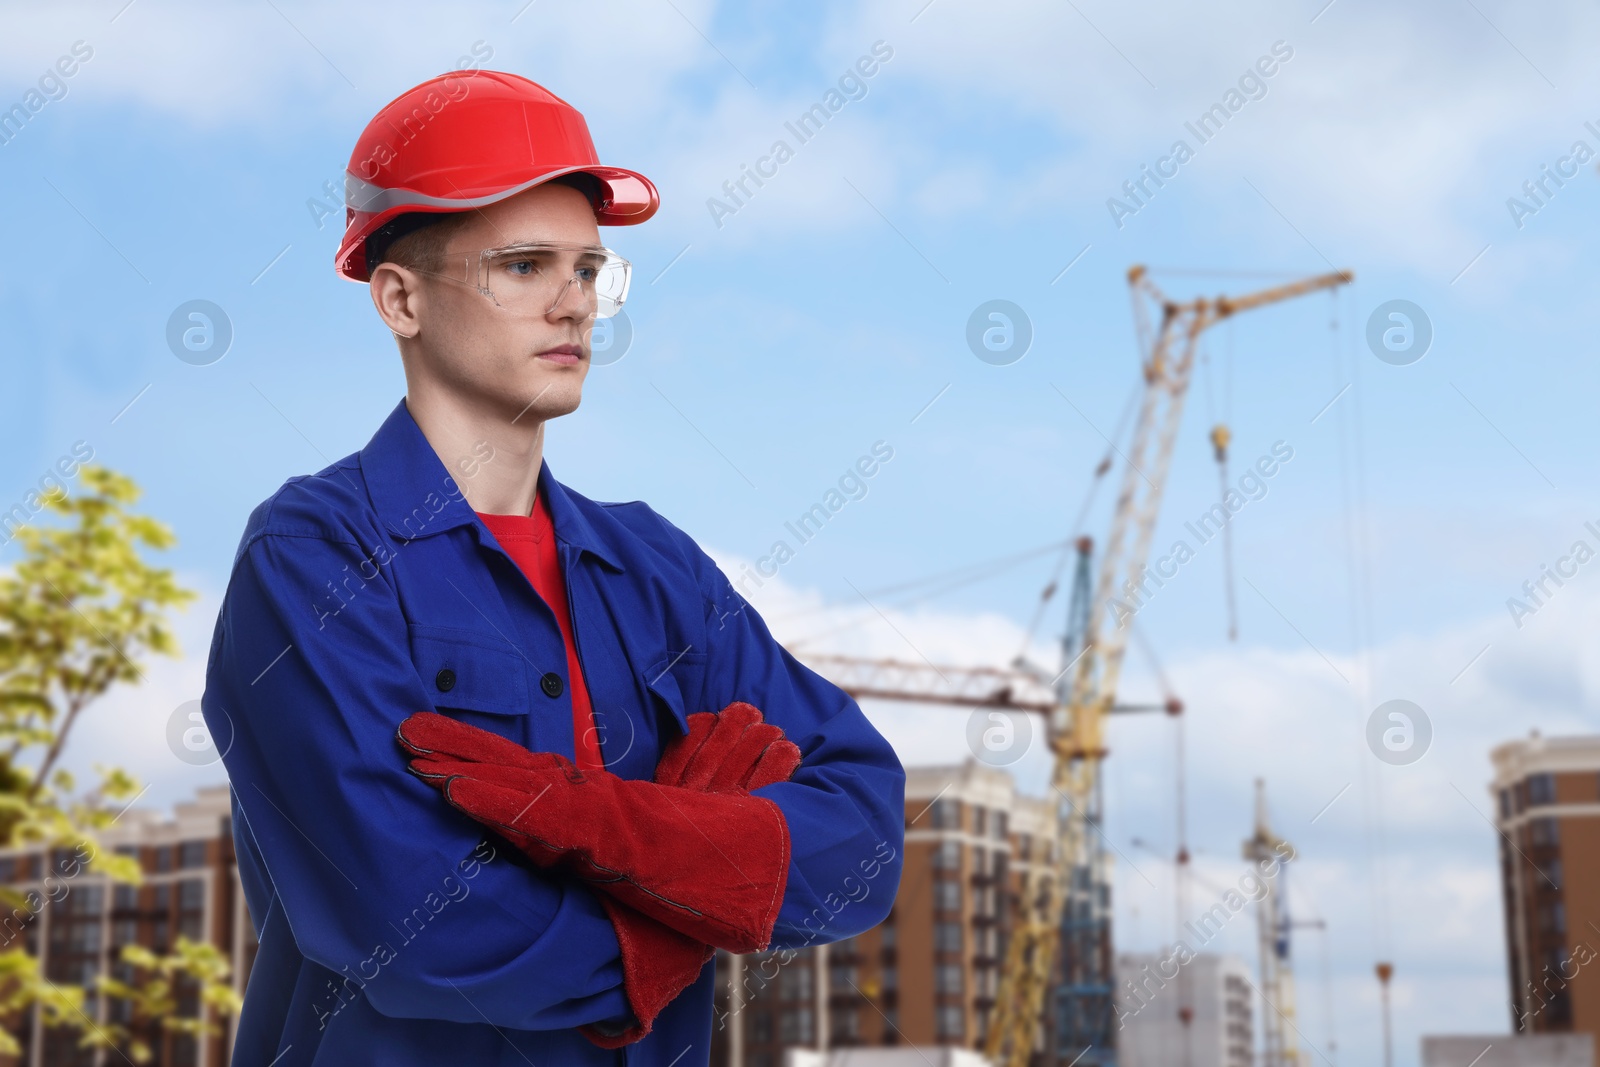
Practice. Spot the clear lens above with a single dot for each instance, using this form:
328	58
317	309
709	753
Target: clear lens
533	279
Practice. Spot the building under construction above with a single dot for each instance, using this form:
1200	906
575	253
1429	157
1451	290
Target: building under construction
927	976
1547	808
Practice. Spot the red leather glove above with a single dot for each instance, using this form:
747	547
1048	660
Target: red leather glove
731	750
658	963
709	865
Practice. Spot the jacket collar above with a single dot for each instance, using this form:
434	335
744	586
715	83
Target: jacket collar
415	496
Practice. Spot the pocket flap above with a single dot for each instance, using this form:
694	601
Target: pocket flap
468	669
661	678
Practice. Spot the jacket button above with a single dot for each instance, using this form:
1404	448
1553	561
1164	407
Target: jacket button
445	679
551	684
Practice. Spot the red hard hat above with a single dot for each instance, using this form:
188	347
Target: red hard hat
468	139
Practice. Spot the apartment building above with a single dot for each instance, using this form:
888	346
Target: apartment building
1546	794
929	974
81	922
1151	989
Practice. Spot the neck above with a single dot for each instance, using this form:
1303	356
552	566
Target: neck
494	463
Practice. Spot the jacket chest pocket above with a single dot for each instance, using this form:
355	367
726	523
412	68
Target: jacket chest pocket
468	671
674	681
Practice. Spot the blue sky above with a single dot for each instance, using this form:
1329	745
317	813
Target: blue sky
188	154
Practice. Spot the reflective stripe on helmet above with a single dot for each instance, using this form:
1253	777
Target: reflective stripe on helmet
364	196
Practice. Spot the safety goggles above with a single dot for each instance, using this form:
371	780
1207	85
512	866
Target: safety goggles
532	279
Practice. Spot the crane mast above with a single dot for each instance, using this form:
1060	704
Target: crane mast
1077	724
1279	1047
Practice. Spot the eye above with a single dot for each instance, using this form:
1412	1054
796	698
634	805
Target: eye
588	274
522	268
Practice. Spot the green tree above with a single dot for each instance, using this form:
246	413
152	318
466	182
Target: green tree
79	612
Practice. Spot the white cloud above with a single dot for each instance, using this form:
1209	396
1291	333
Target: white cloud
1402	866
1411	149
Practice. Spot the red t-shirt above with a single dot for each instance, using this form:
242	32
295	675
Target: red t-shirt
530	541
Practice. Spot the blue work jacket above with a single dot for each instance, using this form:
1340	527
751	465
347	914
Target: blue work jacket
395	930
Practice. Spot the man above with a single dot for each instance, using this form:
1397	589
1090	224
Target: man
508	763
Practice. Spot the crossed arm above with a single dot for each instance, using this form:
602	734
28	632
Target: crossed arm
355	845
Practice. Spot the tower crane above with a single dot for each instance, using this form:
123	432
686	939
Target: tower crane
1072	905
1279	1044
1077	736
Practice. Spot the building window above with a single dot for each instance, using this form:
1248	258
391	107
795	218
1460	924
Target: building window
890	979
845	1025
948	856
843	976
952	1023
191	894
1543	832
948	978
1541	789
794	1027
164	858
947	896
86	901
1505	803
946	814
796	984
65	861
1552	874
192	854
999	825
69	936
886	937
980	820
1024	846
125	897
947	937
762	1030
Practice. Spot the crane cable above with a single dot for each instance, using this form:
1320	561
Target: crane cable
1096	479
1221	437
953	579
976	572
1362	627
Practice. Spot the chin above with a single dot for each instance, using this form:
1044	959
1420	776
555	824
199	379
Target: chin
557	394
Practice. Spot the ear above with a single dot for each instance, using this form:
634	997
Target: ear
396	293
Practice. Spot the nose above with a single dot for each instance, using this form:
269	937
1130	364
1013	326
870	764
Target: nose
585	307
